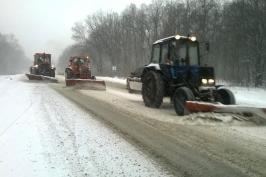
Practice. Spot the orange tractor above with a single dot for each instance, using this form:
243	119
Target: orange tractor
78	74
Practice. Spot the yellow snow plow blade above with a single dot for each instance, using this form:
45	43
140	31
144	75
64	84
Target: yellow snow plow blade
87	84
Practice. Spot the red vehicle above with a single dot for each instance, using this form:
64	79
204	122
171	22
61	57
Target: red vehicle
79	73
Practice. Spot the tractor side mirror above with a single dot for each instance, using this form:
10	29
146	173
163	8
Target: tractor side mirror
207	45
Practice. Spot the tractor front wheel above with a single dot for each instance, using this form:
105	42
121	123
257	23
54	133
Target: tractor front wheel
180	97
68	73
225	96
153	89
33	70
52	73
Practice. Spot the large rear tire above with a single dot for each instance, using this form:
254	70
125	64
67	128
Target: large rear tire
153	89
225	96
180	97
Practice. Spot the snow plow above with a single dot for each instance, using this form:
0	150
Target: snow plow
134	80
42	68
78	74
247	111
175	70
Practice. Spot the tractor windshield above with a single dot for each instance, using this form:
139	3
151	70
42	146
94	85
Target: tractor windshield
39	60
42	59
184	52
193	53
79	61
47	60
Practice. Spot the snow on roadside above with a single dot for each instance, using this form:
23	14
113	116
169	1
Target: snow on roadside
250	96
113	79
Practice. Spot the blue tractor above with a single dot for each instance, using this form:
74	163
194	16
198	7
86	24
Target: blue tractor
175	70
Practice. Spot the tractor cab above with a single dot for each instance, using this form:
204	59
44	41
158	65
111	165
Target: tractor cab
79	67
178	58
175	70
42	58
79	61
179	51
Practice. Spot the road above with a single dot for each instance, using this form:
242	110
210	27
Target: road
111	133
203	144
44	134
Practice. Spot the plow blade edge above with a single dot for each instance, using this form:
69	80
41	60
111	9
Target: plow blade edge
88	84
195	106
41	77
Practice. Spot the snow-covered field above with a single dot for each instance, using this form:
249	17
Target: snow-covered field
43	134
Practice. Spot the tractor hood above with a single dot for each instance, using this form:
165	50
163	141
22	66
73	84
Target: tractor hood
204	76
206	72
196	75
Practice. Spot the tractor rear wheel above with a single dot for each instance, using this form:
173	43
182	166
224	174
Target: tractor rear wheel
68	73
180	97
153	89
225	96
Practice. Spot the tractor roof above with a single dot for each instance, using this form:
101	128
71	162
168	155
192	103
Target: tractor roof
42	54
176	37
83	57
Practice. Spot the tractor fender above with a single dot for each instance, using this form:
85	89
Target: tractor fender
151	67
218	86
68	68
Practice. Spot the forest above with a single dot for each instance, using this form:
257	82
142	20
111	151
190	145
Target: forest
12	56
235	30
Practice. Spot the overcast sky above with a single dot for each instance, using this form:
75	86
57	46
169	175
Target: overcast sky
45	25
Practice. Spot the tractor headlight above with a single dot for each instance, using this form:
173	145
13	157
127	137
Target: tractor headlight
193	38
204	81
207	81
211	81
177	37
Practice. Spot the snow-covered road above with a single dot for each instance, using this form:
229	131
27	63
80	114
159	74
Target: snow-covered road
43	134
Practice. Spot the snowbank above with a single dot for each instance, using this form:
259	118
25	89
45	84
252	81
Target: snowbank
113	79
250	96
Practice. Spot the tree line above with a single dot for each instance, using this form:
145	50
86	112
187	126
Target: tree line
12	56
235	29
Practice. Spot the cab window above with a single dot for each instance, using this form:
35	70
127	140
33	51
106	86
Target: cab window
165	54
155	54
174	56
